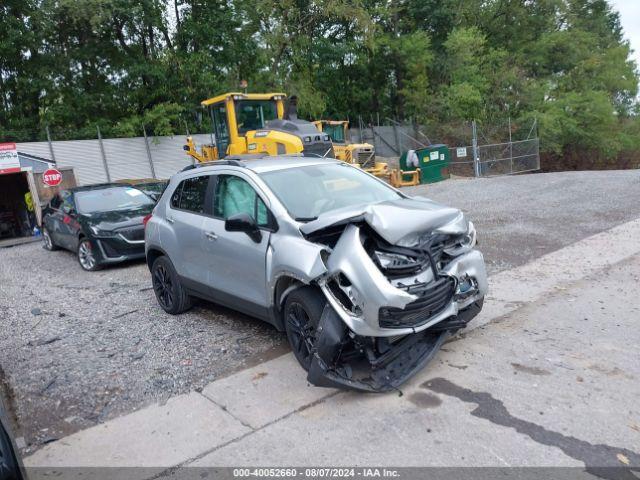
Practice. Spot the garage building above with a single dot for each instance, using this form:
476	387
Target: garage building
23	192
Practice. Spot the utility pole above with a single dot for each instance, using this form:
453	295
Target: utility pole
146	144
510	147
104	156
53	155
476	153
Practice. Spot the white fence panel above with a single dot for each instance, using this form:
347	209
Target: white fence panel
127	158
168	155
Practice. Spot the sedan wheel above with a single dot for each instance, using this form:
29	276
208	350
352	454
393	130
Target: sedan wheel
47	241
86	257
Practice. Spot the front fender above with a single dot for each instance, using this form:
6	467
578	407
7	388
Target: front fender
295	258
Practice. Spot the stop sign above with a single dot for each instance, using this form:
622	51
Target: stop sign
52	177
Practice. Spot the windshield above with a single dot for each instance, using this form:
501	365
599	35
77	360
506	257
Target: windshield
252	114
336	132
307	192
111	198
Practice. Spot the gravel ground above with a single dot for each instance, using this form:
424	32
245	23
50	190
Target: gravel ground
81	347
78	348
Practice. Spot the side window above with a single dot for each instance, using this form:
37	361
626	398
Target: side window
234	195
219	117
175	198
67	202
193	193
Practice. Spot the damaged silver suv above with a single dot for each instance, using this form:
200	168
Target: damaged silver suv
366	281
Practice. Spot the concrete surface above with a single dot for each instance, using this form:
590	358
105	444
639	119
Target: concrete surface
555	383
551	382
157	436
257	398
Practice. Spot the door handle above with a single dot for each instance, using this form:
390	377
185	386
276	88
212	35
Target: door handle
211	236
170	220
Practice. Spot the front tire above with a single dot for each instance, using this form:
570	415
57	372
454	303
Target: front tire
302	311
47	240
86	256
170	293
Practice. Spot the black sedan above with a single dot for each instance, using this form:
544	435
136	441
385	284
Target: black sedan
102	223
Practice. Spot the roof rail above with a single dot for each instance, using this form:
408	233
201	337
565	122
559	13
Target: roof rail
247	156
232	162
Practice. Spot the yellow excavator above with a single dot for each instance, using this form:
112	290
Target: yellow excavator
361	154
246	123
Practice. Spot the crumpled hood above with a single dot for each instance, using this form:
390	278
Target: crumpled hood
399	222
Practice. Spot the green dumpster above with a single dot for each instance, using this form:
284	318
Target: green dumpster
433	162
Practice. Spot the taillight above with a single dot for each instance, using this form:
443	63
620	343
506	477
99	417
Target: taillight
146	219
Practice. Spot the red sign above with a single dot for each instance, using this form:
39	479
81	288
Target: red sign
9	161
52	177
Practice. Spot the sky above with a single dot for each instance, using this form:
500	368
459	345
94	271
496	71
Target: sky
630	18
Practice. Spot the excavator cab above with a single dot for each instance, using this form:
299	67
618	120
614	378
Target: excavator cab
258	123
337	131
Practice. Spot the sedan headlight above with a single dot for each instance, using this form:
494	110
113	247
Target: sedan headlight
101	233
463	243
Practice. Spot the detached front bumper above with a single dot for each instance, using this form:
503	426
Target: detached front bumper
387	371
356	352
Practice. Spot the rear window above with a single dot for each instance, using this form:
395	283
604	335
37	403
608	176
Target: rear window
190	194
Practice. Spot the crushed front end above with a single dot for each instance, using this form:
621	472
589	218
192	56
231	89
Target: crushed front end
394	295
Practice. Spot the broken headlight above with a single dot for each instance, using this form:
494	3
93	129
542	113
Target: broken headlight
462	243
393	260
395	264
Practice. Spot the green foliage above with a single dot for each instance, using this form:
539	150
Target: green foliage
120	64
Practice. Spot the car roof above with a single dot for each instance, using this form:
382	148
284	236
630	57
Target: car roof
99	186
264	163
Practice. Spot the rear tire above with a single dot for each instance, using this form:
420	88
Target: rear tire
302	311
47	240
170	293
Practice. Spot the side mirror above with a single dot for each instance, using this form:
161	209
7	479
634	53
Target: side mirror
243	222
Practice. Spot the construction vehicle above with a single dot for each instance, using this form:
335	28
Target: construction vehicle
361	154
256	123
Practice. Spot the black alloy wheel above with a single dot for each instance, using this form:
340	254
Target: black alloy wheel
302	311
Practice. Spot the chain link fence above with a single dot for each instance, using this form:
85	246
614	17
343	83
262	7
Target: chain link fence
476	150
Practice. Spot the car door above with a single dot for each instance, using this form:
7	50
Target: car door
236	264
58	220
186	212
69	226
52	217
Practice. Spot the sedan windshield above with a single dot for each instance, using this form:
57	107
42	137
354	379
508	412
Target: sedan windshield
310	191
111	198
